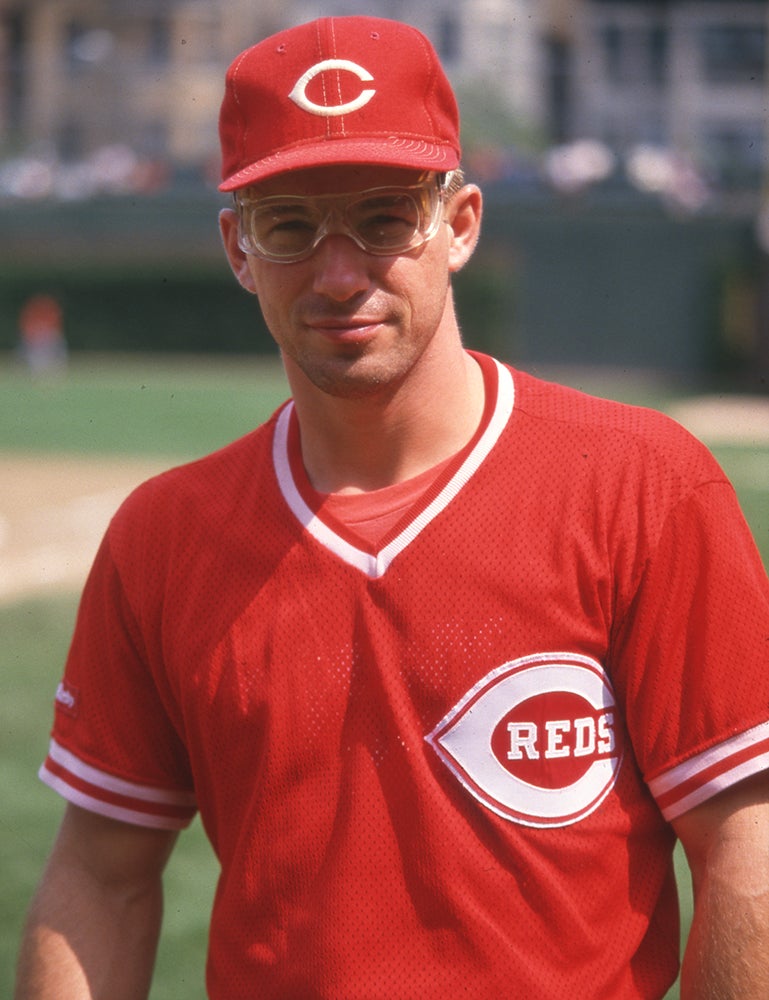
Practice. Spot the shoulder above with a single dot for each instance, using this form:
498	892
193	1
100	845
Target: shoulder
200	493
626	437
560	404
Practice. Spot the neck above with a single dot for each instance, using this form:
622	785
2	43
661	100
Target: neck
353	445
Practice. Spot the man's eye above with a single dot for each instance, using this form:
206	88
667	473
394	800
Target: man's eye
387	220
388	211
290	226
288	216
385	223
283	228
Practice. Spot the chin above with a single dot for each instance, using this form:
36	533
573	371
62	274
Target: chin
355	381
357	374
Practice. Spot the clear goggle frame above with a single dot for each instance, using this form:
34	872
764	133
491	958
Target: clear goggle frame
382	221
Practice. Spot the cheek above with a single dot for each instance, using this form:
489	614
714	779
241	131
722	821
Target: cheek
428	293
275	291
422	281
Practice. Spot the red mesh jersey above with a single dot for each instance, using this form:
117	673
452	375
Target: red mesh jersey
438	768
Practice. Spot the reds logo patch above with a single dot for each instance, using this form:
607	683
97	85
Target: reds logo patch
299	92
535	741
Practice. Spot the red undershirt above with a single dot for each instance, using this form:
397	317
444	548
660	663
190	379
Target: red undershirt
371	515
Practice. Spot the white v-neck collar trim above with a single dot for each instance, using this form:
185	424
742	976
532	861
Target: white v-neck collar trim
376	565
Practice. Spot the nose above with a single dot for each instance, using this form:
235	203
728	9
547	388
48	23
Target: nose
340	268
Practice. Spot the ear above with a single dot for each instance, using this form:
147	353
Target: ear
228	227
463	214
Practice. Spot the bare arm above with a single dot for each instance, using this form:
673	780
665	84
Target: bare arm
94	922
727	845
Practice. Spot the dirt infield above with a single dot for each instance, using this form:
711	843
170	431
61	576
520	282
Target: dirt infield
726	419
53	511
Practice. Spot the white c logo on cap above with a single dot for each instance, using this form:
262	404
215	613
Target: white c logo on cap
299	94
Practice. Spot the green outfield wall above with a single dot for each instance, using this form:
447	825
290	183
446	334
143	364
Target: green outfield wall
589	282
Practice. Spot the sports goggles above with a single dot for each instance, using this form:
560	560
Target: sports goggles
382	221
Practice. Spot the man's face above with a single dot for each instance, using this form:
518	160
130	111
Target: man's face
351	322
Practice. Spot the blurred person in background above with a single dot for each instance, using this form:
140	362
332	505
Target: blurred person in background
42	344
447	657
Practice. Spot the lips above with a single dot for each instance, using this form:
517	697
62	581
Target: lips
344	323
353	328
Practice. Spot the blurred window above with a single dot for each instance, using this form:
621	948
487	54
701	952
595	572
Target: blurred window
12	26
559	71
734	53
75	32
736	152
635	54
658	53
449	37
159	40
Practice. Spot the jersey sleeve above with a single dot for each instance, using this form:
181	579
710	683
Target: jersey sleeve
115	749
695	642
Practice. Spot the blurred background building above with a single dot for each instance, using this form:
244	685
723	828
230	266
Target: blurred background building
673	94
622	146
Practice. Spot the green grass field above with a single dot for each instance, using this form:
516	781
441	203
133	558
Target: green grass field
179	408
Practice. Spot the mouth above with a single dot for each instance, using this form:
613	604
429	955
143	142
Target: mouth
346	329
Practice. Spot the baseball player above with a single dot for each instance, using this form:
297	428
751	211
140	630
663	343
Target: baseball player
446	657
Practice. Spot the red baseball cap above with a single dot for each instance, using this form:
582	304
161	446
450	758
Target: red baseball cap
337	90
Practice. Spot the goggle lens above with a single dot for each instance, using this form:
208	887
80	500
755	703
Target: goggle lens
382	221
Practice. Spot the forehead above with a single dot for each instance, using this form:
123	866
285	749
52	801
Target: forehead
337	179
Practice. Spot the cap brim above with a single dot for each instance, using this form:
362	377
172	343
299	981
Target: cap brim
390	152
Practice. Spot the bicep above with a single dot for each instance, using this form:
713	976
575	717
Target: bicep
109	851
726	840
94	922
729	833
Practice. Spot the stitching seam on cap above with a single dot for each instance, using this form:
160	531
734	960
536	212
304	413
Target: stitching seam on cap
321	52
432	77
236	98
340	122
434	150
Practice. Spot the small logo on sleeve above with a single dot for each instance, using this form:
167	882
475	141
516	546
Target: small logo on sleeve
67	698
535	740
